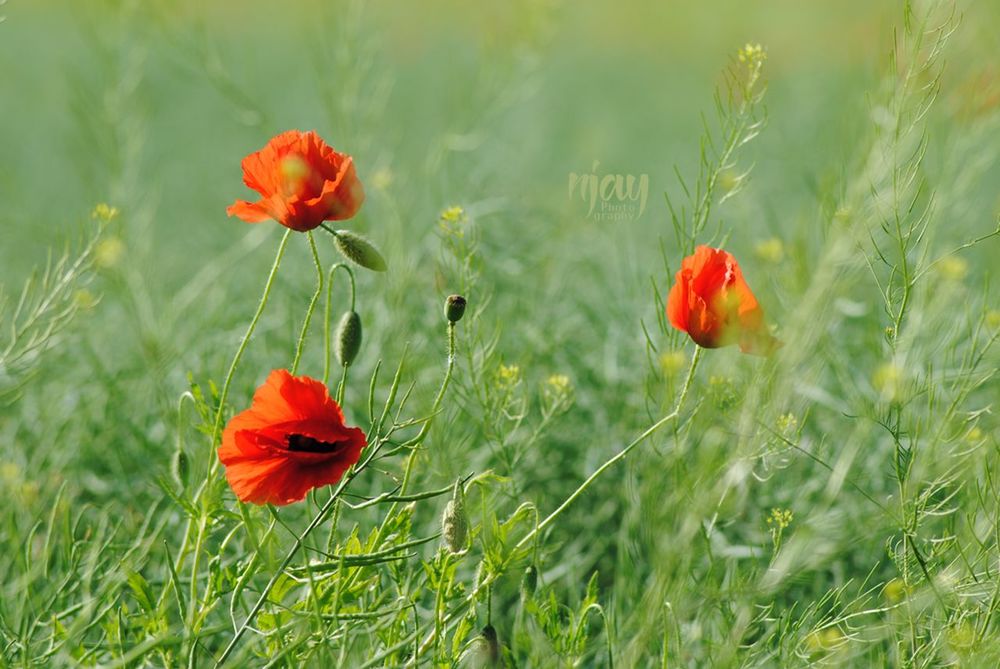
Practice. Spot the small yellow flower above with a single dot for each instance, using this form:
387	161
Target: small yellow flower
453	214
453	221
961	637
953	268
729	180
10	472
84	299
752	54
29	492
824	640
104	212
559	383
509	375
108	252
771	250
780	518
382	178
672	362
888	381
975	435
993	318
787	423
895	590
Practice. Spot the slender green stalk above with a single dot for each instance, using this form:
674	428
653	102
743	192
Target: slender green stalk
425	429
224	395
435	408
296	546
312	303
299	540
621	454
487	582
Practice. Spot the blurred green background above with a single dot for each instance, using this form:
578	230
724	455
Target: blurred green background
151	105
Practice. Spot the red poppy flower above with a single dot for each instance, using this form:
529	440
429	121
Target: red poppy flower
302	182
292	439
713	304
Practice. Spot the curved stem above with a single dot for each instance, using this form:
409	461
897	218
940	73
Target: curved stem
471	597
417	440
621	454
296	546
411	459
342	386
221	410
312	304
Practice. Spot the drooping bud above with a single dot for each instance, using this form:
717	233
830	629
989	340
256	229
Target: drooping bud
348	338
455	522
179	468
483	652
359	250
489	637
454	308
529	582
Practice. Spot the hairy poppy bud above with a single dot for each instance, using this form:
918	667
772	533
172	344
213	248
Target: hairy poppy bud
491	646
529	582
348	338
179	467
454	308
455	522
483	652
359	250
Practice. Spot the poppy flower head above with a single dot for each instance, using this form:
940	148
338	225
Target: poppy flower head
292	439
712	302
302	182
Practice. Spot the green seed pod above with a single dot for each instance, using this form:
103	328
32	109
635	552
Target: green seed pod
492	643
529	582
455	522
359	250
454	308
484	651
179	468
348	338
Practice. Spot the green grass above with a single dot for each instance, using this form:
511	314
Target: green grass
835	504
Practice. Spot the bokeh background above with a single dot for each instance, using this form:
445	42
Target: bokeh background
150	105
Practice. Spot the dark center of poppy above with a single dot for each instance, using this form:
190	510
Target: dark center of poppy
304	444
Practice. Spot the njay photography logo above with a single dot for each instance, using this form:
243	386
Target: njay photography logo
610	197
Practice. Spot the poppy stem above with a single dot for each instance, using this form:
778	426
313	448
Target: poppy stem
290	555
221	410
435	408
416	441
696	356
312	304
488	582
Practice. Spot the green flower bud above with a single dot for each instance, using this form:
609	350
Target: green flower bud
492	643
455	522
179	468
454	308
359	250
348	338
483	652
529	582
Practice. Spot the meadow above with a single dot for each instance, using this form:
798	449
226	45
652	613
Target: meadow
558	476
